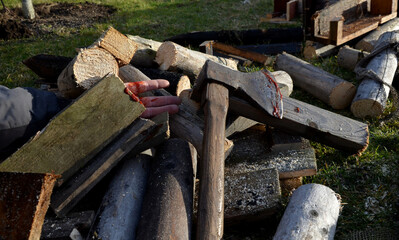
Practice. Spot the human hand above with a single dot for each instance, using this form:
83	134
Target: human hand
154	104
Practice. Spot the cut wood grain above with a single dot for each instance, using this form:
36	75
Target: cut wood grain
173	57
116	43
312	213
325	86
369	41
86	69
83	129
372	95
120	209
312	123
168	208
348	57
146	51
24	201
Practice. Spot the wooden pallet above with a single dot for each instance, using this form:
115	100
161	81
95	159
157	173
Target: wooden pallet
348	19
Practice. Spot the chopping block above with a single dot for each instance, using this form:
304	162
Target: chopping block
212	88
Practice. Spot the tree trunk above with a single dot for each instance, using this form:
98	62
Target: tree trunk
312	213
371	96
168	202
27	9
325	86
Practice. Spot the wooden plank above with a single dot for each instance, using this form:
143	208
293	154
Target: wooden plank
311	122
378	7
251	196
24	201
83	129
254	56
255	152
291	9
66	197
336	27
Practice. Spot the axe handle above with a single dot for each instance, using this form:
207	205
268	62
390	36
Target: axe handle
211	192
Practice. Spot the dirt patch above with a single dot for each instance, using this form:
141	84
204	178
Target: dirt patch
51	17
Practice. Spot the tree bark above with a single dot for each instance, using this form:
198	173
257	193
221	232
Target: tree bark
312	213
28	10
329	88
371	96
122	204
146	52
348	57
168	201
172	57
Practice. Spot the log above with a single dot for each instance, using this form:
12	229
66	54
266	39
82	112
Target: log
24	201
348	57
87	122
61	228
168	207
325	86
173	57
86	69
178	82
252	36
120	46
121	207
368	42
145	53
317	50
371	95
68	195
47	66
312	123
312	213
185	124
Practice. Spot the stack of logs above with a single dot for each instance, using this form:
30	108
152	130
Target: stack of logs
151	190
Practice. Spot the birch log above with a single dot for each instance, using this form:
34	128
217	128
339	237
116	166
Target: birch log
171	56
121	206
145	53
348	57
312	213
367	43
86	69
371	96
325	86
168	202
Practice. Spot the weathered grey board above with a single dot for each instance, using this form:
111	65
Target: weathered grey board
253	153
251	196
312	123
76	134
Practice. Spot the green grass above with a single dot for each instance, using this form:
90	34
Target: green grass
368	184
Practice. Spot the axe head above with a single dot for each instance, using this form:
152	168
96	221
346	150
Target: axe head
259	86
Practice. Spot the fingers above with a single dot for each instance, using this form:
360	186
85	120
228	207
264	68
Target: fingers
153	111
144	86
160	101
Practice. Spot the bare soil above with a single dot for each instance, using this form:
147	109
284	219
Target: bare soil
51	17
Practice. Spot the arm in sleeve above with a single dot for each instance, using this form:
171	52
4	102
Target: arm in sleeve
23	112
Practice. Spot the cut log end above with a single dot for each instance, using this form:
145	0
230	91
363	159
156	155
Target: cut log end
166	56
366	108
341	96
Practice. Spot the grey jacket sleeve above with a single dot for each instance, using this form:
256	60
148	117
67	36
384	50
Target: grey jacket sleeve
23	112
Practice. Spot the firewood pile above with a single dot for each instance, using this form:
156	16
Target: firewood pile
237	145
